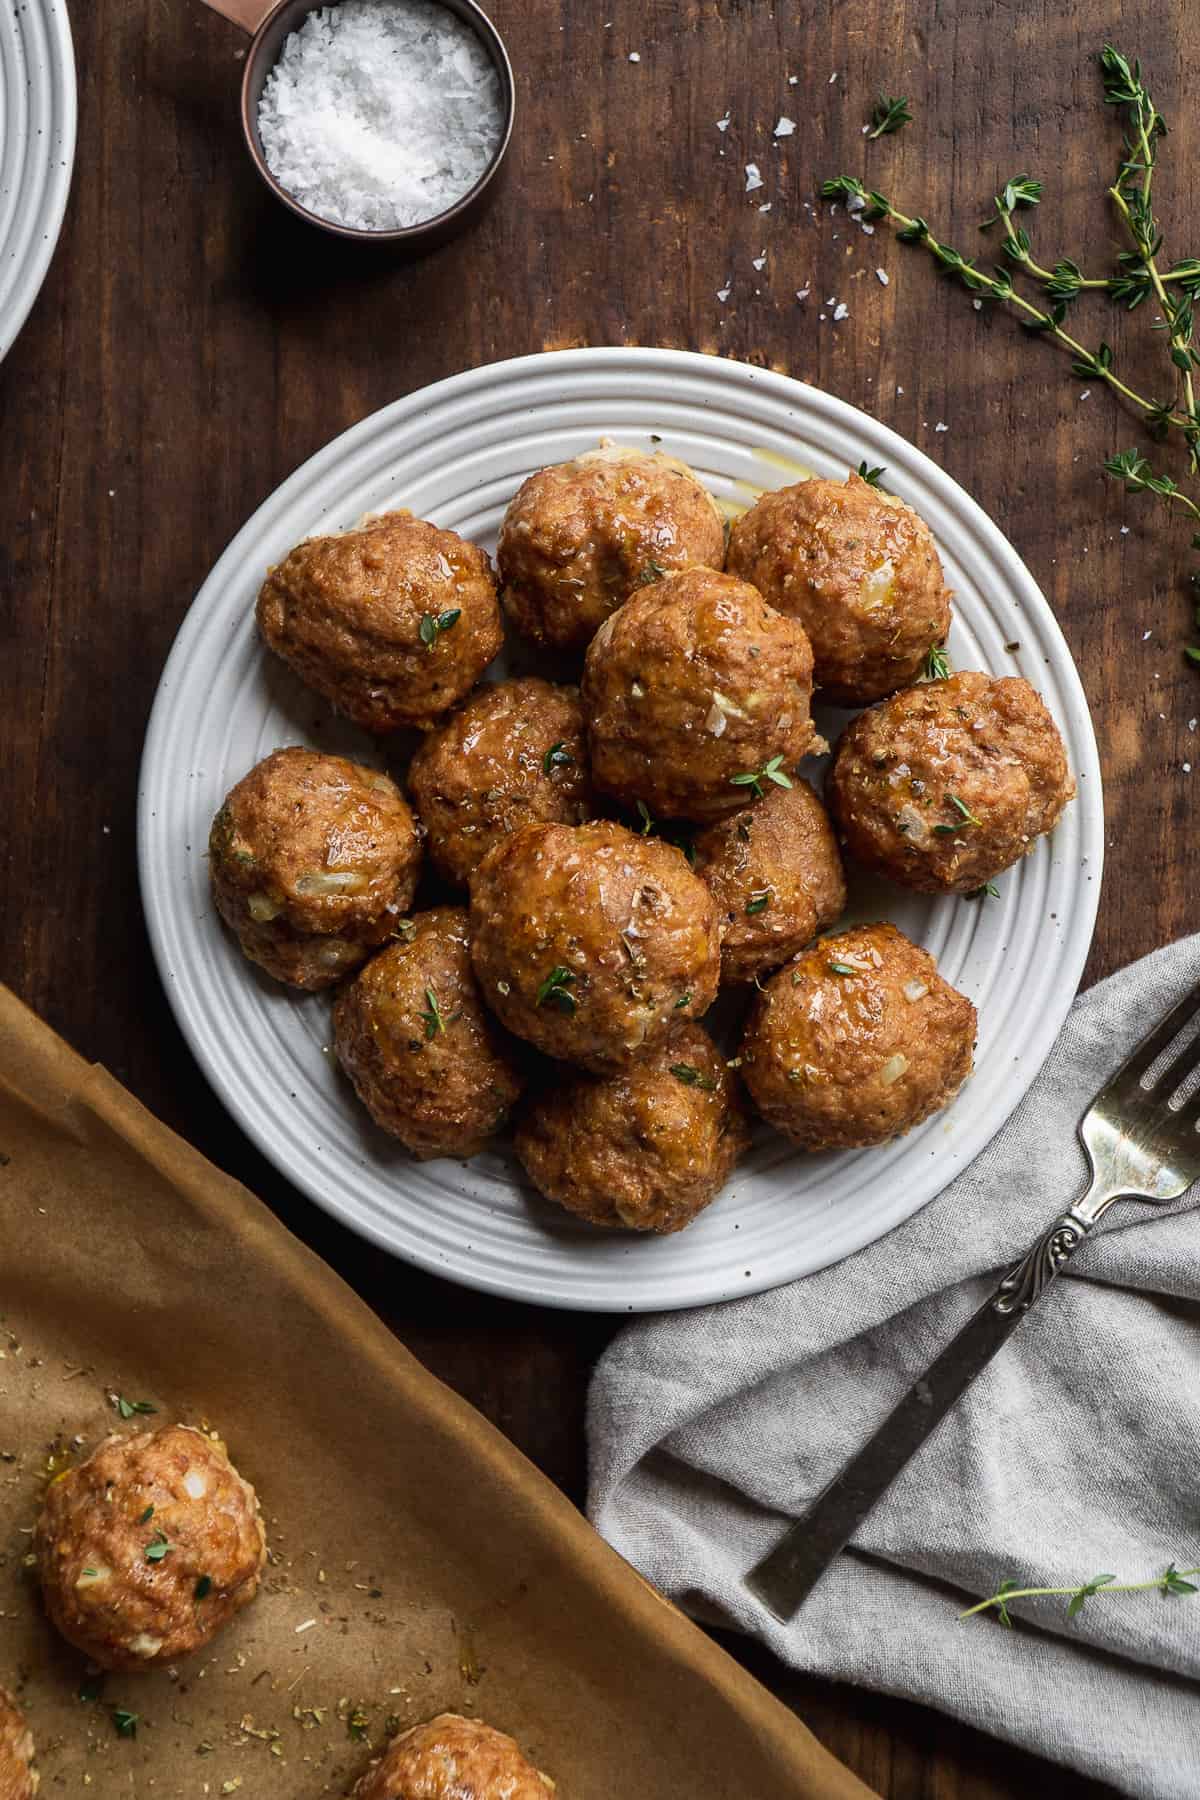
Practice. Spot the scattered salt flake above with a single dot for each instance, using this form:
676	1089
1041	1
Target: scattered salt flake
307	1626
753	178
941	426
1086	394
1192	723
803	293
1145	635
765	207
1187	768
821	317
792	80
723	294
882	276
867	230
841	310
832	300
1124	531
978	305
634	56
832	78
759	262
723	124
785	127
865	130
855	203
899	390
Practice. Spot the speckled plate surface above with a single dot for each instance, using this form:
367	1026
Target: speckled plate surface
455	453
37	149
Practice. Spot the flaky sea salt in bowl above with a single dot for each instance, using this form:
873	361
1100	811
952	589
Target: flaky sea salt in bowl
379	120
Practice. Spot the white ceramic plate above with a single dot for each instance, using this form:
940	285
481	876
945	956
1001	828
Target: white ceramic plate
37	149
455	453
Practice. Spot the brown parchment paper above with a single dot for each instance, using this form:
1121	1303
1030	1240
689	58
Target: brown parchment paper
419	1561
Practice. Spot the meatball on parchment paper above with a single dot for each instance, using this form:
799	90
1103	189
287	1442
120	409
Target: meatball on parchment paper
430	1603
18	1775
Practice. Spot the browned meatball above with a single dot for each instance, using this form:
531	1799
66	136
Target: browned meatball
948	784
645	1148
313	860
149	1547
579	537
690	689
591	942
393	622
861	572
429	1064
777	876
452	1758
18	1777
856	1041
513	755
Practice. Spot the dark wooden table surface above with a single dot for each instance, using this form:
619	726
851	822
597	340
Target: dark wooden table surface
193	344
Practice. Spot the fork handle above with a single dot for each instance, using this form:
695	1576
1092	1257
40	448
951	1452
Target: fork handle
786	1575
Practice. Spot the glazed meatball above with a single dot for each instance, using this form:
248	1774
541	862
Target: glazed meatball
18	1777
645	1148
693	686
859	569
579	537
513	755
313	859
856	1041
777	876
590	942
393	622
427	1061
452	1758
948	784
149	1547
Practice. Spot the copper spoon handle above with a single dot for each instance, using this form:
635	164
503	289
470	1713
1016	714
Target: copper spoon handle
249	14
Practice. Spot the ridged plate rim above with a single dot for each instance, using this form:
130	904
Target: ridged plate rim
37	150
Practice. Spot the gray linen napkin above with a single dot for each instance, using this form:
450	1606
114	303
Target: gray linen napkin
1077	1452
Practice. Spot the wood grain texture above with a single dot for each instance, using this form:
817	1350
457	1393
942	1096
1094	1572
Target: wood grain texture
194	343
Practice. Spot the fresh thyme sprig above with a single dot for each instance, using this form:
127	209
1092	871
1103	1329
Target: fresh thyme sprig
754	778
432	1017
433	624
1131	195
889	115
997	287
1138	277
1131	467
556	989
1171	1581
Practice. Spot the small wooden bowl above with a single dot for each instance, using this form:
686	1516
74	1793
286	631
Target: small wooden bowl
270	21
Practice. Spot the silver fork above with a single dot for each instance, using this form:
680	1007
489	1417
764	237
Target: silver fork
1143	1143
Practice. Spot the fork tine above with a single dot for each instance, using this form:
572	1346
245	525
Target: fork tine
1189	1118
1128	1078
1176	1072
